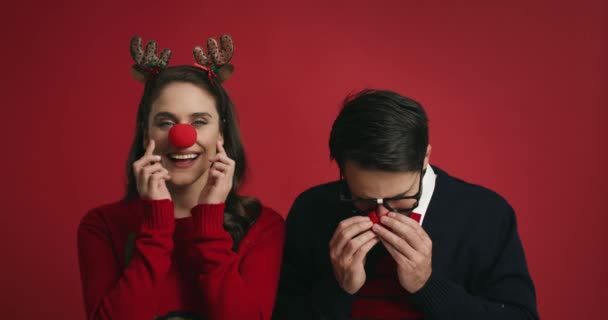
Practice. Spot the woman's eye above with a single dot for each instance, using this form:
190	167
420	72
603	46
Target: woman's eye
199	123
165	124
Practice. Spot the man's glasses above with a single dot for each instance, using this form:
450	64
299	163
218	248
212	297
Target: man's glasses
402	204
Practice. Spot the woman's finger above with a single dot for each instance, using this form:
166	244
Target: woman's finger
144	176
216	174
150	148
144	161
153	168
155	178
224	159
222	167
220	147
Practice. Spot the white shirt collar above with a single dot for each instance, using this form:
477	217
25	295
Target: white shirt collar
428	187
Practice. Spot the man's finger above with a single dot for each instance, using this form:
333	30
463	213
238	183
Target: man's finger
356	243
344	224
345	235
398	256
360	255
396	241
403	230
410	222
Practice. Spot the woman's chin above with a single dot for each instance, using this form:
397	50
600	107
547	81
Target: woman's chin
181	180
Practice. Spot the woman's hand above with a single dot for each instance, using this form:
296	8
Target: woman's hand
219	181
151	176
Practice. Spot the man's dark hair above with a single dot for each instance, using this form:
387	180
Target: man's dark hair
380	130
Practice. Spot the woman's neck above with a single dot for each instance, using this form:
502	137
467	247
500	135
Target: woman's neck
186	197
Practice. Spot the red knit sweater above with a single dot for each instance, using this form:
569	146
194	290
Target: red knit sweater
138	262
382	297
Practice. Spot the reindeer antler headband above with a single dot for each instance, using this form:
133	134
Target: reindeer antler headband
147	63
215	62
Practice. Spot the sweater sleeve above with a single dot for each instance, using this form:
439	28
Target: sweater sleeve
111	292
235	285
506	291
303	292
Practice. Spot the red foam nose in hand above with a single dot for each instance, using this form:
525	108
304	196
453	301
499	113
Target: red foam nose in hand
374	217
182	135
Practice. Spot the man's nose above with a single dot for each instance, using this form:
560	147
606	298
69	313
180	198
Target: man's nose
381	210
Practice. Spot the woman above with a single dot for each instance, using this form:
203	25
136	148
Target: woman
182	244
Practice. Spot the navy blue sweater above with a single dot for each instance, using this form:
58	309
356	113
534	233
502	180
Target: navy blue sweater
479	267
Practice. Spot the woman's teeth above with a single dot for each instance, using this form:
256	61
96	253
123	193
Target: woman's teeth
183	156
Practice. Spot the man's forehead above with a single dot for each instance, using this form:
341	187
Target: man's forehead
367	183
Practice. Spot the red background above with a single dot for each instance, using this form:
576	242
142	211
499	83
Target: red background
516	93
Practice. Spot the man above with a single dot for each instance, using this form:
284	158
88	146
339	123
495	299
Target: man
397	238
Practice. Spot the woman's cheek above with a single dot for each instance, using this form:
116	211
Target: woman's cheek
209	147
208	140
160	138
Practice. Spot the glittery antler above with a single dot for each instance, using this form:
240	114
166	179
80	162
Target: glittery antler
217	58
147	63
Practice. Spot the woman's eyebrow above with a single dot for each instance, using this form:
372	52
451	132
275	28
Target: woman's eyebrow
165	114
201	115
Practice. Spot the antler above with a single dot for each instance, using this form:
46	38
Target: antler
147	62
221	56
217	57
199	56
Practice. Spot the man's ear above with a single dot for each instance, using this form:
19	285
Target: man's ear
427	156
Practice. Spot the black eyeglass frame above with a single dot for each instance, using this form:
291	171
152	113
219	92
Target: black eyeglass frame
346	197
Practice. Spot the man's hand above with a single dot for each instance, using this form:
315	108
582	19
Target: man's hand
410	246
348	248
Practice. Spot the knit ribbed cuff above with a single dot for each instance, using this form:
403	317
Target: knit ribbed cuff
433	295
208	219
158	214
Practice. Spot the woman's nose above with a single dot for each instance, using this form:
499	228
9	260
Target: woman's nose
182	135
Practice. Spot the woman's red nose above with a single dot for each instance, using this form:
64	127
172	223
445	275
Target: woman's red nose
182	136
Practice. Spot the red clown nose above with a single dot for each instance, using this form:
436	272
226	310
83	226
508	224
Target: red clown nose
182	136
374	217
